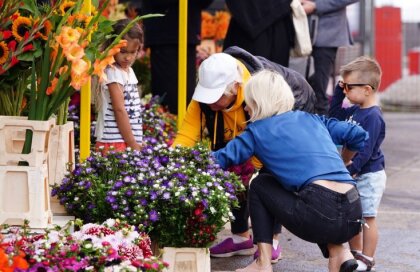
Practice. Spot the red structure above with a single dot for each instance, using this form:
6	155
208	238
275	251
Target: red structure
388	43
414	61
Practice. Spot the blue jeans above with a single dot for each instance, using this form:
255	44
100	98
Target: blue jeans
371	187
315	214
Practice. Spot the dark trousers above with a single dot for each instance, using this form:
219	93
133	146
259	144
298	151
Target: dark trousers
241	214
315	214
324	58
164	66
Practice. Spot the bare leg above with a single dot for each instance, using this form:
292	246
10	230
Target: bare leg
338	255
356	242
370	237
243	234
265	254
263	263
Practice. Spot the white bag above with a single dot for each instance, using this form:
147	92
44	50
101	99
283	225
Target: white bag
303	44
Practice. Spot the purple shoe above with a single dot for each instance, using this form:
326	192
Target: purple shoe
275	254
228	248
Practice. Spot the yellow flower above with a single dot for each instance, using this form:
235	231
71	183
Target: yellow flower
4	52
65	6
21	26
45	30
73	52
79	67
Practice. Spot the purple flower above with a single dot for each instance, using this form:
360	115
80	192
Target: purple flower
118	184
110	199
153	195
153	216
143	202
129	193
166	195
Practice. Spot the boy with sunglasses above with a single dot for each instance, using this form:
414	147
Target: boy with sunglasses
361	80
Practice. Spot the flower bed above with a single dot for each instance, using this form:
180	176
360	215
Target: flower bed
111	246
177	195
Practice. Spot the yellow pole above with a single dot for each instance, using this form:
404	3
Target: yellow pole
182	60
85	106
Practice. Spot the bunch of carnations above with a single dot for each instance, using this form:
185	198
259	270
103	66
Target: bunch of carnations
111	245
180	196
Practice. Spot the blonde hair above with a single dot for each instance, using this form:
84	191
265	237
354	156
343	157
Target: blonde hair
368	71
268	94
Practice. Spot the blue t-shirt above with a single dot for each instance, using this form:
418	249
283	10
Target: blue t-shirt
296	147
370	159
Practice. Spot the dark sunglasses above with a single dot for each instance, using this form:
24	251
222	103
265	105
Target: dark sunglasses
348	86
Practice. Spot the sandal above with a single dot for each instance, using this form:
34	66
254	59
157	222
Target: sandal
369	264
348	266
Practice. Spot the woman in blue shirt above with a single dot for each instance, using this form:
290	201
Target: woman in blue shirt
307	188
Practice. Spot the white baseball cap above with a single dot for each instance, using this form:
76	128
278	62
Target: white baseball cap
214	75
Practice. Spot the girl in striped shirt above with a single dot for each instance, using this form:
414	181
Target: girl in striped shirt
119	122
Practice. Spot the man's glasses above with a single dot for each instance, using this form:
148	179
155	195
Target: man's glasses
349	86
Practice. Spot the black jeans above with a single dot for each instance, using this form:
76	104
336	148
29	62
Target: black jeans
241	214
324	58
315	214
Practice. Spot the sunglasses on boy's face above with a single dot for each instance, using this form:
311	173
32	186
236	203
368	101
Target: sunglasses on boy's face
349	86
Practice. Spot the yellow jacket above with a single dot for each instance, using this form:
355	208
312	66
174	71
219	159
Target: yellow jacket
234	120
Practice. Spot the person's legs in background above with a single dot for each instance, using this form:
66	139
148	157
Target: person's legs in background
324	58
241	242
164	69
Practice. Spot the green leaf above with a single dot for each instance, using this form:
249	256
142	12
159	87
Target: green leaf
27	56
30	5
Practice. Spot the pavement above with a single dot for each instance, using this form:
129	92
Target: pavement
398	219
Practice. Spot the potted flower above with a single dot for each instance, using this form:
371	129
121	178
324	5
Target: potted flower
177	195
110	246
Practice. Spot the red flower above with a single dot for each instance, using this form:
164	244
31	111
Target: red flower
7	34
28	47
198	211
14	61
12	45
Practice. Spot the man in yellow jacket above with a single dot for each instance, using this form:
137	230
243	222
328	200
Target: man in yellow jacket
217	112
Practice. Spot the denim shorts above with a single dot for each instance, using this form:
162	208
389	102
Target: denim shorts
371	187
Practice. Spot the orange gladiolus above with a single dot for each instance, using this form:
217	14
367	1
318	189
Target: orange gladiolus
116	49
73	52
79	67
67	36
77	81
52	87
63	69
99	67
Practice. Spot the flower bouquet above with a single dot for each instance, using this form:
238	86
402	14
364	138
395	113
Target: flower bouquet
177	195
110	246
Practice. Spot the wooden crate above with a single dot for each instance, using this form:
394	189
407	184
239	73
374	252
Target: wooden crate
12	137
60	156
187	259
25	194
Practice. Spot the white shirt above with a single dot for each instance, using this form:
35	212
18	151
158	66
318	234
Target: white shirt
106	127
